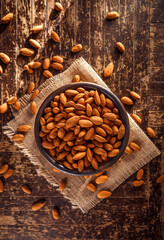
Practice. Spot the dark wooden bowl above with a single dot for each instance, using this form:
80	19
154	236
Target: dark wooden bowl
122	112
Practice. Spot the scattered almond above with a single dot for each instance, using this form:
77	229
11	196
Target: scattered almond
35	94
3	108
128	150
104	194
134	146
77	48
4	58
57	59
37	29
8	173
160	179
33	108
76	78
136	118
24	128
55	36
62	185
120	47
34	65
17	137
17	105
47	74
1	69
1	186
26	67
34	43
26	189
12	100
138	183
7	18
91	187
135	95
101	179
31	87
150	132
38	205
109	70
140	174
4	168
55	214
127	100
28	52
58	6
112	15
57	66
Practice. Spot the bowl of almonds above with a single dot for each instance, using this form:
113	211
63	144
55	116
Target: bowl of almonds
82	128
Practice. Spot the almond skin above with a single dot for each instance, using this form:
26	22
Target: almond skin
26	189
140	174
35	94
17	137
17	105
4	58
34	43
1	70
37	29
7	18
136	118
58	6
104	194
38	205
33	108
90	186
127	100
160	179
12	100
135	95
77	48
57	66
26	67
31	87
112	15
120	47
76	78
62	185
8	173
24	128
150	132
101	179
57	59
3	108
34	65
4	168
109	70
134	146
55	214
55	37
47	74
1	186
28	52
137	183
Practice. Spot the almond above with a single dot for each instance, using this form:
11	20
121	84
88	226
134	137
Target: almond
120	47
47	74
134	146
121	132
55	214
68	165
100	138
136	118
4	168
4	58
113	153
104	194
26	189
109	103
115	130
28	52
72	121
8	173
89	134
85	123
160	179
46	63
101	131
33	108
35	94
58	6
1	186
128	150
34	65
62	185
102	100
1	69
99	151
110	116
96	120
57	59
29	70
135	95
137	183
37	29
17	137
108	147
109	70
31	87
80	165
71	92
48	145
79	155
55	36
97	98
77	48
140	174
24	128
12	100
38	205
56	170
80	148
90	186
89	155
94	163
76	78
107	128
101	179
34	43
112	15
150	132
57	66
7	18
51	125
3	108
127	100
63	98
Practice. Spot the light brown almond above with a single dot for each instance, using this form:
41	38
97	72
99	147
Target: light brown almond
47	74
1	186
137	183
160	179
76	78
46	63
120	47
57	66
24	128
1	70
71	122
79	155
115	130
107	128
7	18
63	98
99	138
135	95
31	87
128	150
4	168
104	194
140	174
26	189
89	134
94	163
97	98
127	100
150	132
121	132
91	187
134	146
102	100
110	116
71	92
8	173
112	15
96	120
34	65
3	108
57	59
38	205
17	137
35	94
99	151
33	108
68	165
51	125
101	179
55	36
58	6
28	52
80	148
62	185
34	43
101	131
80	165
89	154
55	214
85	123
29	70
136	118
77	48
62	155
56	170
37	29
4	58
12	100
48	145
113	153
109	70
108	147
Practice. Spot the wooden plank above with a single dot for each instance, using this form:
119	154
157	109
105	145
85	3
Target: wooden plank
156	59
156	4
156	30
156	15
156	74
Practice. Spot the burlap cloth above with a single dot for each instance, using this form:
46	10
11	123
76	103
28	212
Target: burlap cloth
76	190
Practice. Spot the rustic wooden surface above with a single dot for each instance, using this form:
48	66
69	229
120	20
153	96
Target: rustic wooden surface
130	213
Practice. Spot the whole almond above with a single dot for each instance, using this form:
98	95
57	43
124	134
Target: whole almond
24	128
85	123
56	170
91	187
8	173
17	105
101	131
121	132
77	48
37	29
127	100
76	78
150	132
101	179
48	145
46	63
160	179
57	59
35	94
38	205
1	186
102	100
140	174
58	6
31	87
138	183
71	122
7	18
135	95
57	66
94	163
79	155
136	118
110	116
112	15
28	52
55	214
108	147
62	185
3	108
71	92
4	58
128	150
107	128
97	98
4	168
134	146
34	65
47	74
109	70
113	153
1	69
96	120
104	194
120	47
26	67
89	134
33	108
34	43
26	189
12	100
55	36
80	165
17	137
99	138
99	151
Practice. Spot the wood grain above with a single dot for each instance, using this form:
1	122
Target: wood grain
130	213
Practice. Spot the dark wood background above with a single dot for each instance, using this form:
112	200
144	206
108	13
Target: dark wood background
130	213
